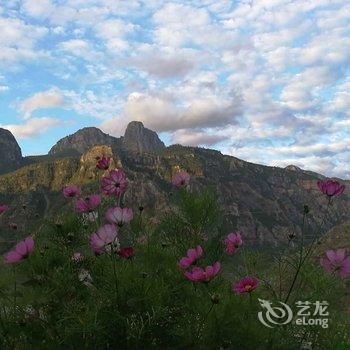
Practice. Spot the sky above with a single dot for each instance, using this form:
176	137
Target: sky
266	81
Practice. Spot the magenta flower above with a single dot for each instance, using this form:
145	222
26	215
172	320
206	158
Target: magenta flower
20	252
233	241
336	262
119	216
3	208
103	163
88	204
181	179
71	191
78	257
126	253
330	187
246	285
104	239
198	274
192	256
115	183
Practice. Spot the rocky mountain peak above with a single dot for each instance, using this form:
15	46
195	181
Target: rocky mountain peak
140	139
10	152
81	141
293	167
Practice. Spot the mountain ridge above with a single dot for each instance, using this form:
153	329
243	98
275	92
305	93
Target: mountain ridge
265	202
137	138
10	152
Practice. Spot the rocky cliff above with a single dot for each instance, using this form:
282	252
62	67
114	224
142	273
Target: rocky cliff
137	139
10	152
81	141
142	140
265	202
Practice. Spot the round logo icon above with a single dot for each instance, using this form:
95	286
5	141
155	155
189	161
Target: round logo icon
274	315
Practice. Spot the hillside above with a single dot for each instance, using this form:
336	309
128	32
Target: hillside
264	202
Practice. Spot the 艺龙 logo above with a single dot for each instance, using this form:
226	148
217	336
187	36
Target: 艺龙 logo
282	314
274	315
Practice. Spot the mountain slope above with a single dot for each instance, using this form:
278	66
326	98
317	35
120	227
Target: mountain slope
266	203
10	152
137	138
142	140
81	141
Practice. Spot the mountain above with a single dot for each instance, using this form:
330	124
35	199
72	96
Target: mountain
137	138
142	140
81	141
336	238
10	152
266	203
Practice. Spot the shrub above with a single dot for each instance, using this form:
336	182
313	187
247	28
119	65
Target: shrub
131	291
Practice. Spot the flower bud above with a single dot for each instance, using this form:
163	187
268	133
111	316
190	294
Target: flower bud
215	298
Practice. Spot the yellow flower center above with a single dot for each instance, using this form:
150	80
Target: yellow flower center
248	287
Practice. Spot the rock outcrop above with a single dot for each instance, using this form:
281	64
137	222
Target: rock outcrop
266	203
81	141
139	139
10	152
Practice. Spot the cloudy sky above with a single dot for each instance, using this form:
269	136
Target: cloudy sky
264	80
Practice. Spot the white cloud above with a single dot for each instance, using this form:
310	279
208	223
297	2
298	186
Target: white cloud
164	114
266	80
75	46
38	8
31	128
198	138
163	65
18	40
113	33
301	92
45	99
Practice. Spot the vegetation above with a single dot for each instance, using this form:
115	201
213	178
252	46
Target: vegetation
142	289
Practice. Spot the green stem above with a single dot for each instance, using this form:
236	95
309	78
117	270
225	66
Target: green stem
312	245
204	320
302	259
115	274
245	260
300	264
15	289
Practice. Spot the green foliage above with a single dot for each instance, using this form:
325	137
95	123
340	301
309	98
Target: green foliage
146	302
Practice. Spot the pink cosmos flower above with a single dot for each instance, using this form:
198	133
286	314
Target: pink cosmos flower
103	163
115	183
3	208
20	252
330	187
192	256
181	179
119	216
246	285
104	239
233	241
88	204
71	191
77	257
126	253
336	262
198	274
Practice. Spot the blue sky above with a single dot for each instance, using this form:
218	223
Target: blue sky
263	80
